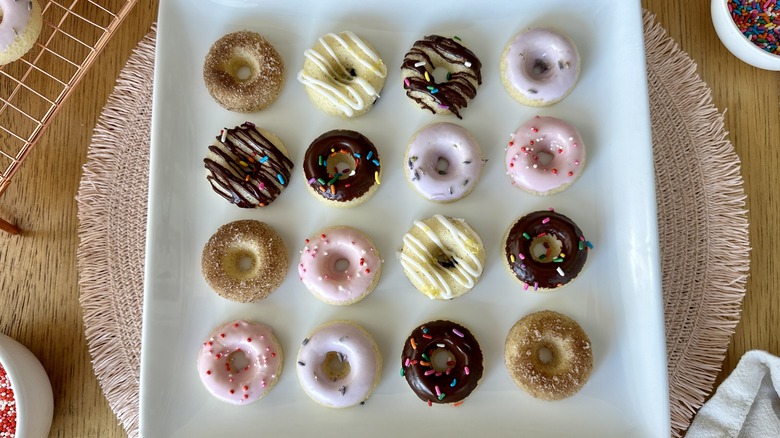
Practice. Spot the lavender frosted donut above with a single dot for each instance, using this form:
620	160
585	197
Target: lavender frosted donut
339	364
540	66
321	273
545	156
20	26
443	162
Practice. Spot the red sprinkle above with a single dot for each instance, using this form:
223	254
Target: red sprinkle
7	406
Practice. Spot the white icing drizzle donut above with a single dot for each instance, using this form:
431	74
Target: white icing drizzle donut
453	144
422	258
339	364
345	90
220	362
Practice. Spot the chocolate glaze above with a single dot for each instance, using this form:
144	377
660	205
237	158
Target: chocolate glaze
260	179
454	93
541	274
464	350
341	141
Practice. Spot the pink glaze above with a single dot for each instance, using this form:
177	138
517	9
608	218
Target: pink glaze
234	343
351	344
542	65
16	17
321	255
457	147
540	139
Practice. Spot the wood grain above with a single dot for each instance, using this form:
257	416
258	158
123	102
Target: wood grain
38	285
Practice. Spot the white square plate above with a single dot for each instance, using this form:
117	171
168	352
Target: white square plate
617	297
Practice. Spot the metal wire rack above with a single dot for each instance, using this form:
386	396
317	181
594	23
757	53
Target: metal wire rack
33	88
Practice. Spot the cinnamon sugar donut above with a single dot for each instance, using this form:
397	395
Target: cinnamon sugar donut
570	357
225	63
244	261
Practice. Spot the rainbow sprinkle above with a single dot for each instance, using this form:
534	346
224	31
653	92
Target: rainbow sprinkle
759	21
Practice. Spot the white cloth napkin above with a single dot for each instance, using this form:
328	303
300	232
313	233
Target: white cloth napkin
746	404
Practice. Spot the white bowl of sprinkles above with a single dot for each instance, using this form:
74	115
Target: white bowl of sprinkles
26	400
750	30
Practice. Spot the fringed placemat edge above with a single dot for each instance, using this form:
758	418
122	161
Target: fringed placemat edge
691	380
120	387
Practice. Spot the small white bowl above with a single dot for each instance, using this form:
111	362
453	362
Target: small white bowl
736	42
31	387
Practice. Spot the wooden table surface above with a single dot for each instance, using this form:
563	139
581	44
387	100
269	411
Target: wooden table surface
38	285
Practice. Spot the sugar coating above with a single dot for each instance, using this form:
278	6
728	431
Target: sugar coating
223	65
572	357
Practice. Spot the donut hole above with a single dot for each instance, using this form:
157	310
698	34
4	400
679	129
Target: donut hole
335	366
440	75
550	354
240	262
341	265
544	355
442	360
238	361
242	67
341	164
543	158
445	261
442	166
545	249
538	68
243	73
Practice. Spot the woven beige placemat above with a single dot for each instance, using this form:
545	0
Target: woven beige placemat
699	191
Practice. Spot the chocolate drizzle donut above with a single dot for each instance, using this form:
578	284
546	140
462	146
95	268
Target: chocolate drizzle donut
246	167
342	166
545	250
463	78
442	362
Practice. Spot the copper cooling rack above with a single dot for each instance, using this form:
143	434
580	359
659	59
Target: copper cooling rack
32	89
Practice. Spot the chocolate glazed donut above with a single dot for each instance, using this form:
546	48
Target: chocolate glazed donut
247	169
545	250
442	362
462	80
342	165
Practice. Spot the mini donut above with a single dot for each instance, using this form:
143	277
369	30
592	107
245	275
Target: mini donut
321	273
463	78
443	143
545	250
244	261
339	364
545	156
240	362
20	26
342	168
442	362
540	66
247	166
343	74
570	362
225	63
442	257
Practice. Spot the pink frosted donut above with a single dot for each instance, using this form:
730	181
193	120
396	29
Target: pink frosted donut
545	156
540	66
340	265
240	362
443	143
